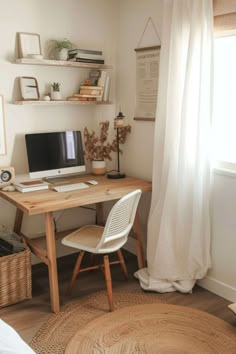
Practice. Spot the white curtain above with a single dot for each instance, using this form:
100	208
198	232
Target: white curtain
178	245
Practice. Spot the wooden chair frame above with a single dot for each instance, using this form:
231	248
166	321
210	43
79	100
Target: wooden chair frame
105	266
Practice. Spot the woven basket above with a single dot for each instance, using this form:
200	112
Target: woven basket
15	278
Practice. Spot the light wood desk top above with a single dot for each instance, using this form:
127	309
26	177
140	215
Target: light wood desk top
44	201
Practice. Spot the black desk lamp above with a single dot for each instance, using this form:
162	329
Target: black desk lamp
118	124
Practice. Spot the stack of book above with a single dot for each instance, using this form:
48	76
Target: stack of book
99	92
30	186
86	56
90	93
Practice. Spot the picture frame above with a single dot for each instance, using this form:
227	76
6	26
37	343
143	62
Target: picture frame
29	45
3	150
29	88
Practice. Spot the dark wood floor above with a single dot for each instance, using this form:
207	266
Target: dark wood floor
28	316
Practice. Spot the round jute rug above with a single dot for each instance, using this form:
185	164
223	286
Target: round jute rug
56	332
155	328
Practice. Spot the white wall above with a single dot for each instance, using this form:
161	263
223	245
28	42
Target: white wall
88	25
221	279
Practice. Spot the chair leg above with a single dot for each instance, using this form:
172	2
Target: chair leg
122	263
75	271
108	281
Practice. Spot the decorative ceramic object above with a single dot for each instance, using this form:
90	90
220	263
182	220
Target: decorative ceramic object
59	49
46	98
62	54
98	167
56	95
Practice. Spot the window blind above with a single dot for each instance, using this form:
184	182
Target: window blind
225	16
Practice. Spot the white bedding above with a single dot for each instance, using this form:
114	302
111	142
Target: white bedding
11	342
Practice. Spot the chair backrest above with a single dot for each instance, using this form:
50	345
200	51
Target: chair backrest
121	218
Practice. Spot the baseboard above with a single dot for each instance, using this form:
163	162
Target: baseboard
218	288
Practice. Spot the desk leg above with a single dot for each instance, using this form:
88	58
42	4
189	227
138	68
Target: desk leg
52	266
139	246
99	214
18	221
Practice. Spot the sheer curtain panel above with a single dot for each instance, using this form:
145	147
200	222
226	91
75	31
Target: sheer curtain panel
178	245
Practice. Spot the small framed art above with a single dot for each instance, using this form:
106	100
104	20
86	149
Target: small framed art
29	45
2	128
29	88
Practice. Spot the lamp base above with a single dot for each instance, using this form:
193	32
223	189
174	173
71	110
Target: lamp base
116	175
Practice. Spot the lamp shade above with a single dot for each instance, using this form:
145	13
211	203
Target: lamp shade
119	122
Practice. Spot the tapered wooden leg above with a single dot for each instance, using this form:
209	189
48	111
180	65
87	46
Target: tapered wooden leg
18	221
139	246
108	281
75	271
52	262
122	263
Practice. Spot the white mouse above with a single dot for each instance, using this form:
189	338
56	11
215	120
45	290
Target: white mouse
9	189
92	182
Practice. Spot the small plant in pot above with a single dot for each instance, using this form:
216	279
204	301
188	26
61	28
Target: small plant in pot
98	148
60	48
55	91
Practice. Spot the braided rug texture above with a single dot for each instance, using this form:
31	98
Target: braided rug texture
56	332
155	328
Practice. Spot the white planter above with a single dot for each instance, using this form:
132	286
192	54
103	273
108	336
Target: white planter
98	167
55	95
62	54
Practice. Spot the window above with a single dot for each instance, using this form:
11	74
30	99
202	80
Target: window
224	102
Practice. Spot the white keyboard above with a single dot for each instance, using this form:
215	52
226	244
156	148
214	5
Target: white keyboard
70	187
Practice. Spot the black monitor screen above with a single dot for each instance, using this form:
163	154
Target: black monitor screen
54	151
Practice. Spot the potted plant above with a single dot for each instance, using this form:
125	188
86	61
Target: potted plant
60	48
98	148
55	92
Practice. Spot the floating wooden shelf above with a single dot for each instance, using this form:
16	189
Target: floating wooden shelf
56	103
62	63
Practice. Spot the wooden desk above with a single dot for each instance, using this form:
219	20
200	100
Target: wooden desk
48	201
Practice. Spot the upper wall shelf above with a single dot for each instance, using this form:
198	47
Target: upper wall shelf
62	63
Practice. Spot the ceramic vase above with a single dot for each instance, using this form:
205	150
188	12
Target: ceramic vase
98	167
55	95
62	54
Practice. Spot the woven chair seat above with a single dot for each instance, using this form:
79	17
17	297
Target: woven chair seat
87	238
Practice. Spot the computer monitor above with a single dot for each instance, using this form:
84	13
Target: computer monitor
54	154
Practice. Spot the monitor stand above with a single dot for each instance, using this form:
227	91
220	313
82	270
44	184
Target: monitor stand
61	179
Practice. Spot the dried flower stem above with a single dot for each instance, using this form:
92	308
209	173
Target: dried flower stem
99	148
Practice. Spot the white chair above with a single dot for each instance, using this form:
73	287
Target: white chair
104	240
